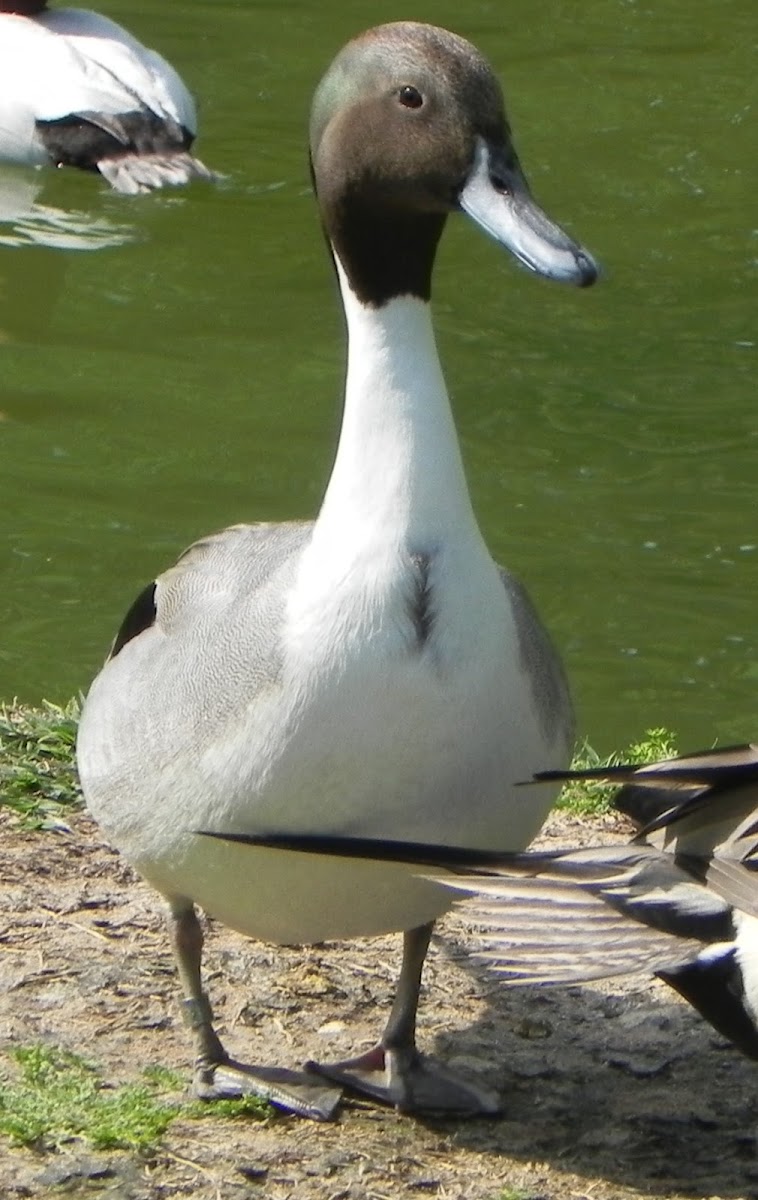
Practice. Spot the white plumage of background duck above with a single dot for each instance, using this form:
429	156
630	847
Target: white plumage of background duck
78	90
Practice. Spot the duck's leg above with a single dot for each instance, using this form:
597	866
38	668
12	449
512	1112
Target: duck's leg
394	1072
216	1075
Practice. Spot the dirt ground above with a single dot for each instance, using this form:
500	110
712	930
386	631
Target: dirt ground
610	1091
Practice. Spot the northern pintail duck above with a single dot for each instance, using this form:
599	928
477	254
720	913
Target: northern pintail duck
78	90
680	900
373	671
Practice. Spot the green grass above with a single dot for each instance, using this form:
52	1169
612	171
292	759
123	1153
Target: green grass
55	1097
37	773
592	797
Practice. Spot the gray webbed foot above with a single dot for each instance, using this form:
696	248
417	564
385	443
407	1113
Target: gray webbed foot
293	1091
409	1082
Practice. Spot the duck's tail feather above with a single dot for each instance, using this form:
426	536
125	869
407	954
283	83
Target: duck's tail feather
131	174
705	768
656	794
543	932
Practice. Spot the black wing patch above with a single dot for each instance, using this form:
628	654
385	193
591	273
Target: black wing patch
140	616
83	139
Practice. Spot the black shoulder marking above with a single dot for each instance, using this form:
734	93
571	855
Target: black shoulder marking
83	139
715	988
140	616
422	613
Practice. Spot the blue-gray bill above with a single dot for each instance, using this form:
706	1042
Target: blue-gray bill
497	197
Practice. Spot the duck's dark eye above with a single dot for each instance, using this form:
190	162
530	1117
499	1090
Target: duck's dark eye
410	97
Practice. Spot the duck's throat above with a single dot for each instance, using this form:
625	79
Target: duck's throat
384	254
398	466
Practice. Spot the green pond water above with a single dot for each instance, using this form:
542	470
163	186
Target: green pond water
171	364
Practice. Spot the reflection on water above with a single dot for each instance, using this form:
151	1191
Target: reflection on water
25	220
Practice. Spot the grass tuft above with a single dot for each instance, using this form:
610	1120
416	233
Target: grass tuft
592	797
56	1097
37	773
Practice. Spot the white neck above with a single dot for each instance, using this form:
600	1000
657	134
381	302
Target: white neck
398	467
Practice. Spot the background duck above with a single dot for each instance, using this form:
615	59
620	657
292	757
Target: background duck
679	900
373	671
696	882
78	90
